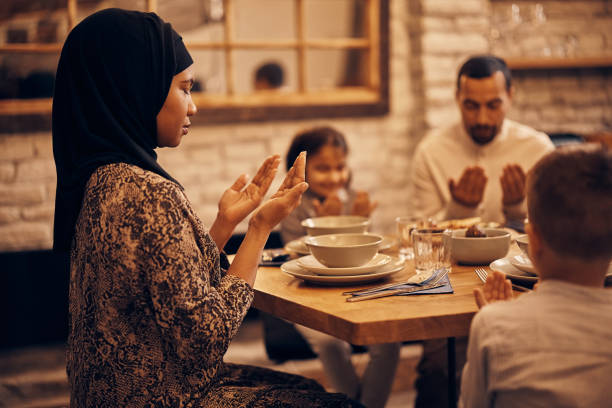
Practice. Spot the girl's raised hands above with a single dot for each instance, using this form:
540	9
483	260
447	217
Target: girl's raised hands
332	205
362	205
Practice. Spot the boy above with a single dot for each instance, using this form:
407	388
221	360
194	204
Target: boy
551	348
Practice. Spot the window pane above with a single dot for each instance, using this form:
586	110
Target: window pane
87	7
206	32
27	21
264	19
209	71
189	16
27	75
278	70
335	68
348	21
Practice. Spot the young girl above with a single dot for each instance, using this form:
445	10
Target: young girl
153	302
328	178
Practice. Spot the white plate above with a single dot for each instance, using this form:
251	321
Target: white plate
503	265
292	268
523	263
298	246
310	262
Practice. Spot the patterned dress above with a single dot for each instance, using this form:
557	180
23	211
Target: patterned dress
152	310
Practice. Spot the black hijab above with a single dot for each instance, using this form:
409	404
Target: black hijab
112	80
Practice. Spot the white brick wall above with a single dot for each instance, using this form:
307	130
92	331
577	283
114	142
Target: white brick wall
574	28
574	101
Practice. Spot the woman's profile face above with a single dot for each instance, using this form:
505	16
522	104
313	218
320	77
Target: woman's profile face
173	118
326	171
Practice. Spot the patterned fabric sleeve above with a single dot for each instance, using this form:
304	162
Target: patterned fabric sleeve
224	263
197	319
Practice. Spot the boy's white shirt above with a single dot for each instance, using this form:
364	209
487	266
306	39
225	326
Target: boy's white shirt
551	347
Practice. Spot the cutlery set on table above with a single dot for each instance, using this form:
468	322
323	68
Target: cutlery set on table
339	251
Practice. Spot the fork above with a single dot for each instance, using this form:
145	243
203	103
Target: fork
382	287
482	274
436	283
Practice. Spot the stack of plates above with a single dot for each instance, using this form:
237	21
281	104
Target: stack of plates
510	267
311	270
520	268
311	264
523	263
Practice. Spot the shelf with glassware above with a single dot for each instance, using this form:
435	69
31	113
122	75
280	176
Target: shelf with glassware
525	63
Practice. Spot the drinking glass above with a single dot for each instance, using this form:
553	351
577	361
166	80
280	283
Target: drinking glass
405	226
432	249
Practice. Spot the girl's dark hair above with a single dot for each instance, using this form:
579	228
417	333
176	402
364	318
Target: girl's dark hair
312	140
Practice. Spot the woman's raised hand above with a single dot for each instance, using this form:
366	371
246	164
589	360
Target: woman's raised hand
284	201
237	202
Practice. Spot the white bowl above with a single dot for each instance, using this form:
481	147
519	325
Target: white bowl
336	224
523	243
479	251
343	250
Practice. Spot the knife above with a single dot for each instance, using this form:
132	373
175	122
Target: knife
358	298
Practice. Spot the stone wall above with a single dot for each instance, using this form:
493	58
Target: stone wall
429	39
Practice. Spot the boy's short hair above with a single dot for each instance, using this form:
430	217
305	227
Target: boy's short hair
311	140
569	200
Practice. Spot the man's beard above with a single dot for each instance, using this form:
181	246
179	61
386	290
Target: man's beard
483	134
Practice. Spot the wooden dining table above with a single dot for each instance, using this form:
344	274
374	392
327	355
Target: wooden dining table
382	320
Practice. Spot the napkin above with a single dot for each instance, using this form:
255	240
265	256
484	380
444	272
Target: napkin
447	288
424	280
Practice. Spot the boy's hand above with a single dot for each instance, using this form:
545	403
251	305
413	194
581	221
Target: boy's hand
496	288
362	205
470	187
331	206
513	184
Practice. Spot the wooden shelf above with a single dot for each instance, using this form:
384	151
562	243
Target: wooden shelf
524	63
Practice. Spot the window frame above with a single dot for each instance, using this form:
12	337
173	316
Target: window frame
369	100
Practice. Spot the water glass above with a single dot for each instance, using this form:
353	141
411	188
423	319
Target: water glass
405	225
432	249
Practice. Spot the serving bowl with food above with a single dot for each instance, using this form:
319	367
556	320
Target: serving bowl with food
479	246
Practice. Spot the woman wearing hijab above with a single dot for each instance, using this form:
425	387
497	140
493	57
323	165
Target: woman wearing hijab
153	303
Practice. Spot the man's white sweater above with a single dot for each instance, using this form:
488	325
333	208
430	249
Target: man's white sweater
444	153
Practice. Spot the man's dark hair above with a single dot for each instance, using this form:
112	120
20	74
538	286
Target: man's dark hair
569	200
272	73
312	140
483	66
